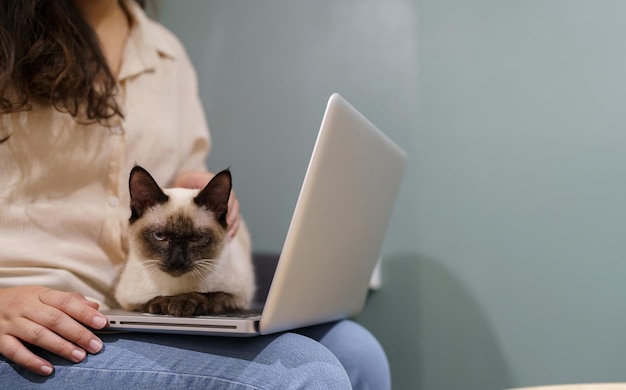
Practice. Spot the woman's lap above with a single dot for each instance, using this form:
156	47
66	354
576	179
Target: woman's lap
345	352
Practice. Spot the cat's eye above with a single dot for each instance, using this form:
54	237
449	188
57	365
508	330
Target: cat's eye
195	238
158	236
200	238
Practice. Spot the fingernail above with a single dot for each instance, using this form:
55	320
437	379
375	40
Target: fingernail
78	355
95	345
46	370
99	322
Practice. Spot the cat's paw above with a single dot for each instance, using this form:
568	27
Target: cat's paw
183	305
220	302
192	304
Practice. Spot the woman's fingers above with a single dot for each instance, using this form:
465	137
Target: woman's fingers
74	305
197	179
15	351
36	334
193	179
55	321
232	216
65	315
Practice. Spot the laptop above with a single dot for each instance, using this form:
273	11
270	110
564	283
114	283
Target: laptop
333	242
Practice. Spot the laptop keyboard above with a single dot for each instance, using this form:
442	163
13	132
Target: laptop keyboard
236	314
233	314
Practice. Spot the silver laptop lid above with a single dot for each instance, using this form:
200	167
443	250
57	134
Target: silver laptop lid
337	229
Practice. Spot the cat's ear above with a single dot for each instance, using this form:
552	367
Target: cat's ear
215	195
144	192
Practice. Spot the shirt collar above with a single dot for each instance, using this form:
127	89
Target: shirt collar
146	44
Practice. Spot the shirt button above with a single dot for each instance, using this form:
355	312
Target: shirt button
114	201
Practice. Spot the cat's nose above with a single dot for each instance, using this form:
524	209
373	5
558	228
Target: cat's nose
177	262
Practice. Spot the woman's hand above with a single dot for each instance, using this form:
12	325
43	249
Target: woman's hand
197	179
54	320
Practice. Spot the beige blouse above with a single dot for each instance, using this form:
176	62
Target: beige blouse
64	202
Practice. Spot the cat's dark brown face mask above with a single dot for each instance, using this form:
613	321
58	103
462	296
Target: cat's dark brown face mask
180	246
179	232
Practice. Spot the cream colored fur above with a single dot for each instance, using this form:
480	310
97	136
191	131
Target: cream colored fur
140	281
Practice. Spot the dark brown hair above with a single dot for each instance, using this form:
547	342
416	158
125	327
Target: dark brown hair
50	54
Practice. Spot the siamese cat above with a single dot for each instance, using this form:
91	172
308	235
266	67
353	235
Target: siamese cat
180	261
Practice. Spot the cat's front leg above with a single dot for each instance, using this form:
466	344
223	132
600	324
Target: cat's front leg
192	304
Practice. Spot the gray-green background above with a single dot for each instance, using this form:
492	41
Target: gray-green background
504	264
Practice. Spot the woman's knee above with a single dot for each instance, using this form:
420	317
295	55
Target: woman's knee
296	361
358	350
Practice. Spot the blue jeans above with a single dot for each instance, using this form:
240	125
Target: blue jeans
330	356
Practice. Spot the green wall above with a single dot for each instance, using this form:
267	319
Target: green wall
504	264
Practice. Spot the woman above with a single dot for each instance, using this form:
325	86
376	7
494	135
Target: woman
88	88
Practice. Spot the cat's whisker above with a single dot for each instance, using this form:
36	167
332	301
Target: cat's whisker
198	273
154	270
203	268
150	265
208	264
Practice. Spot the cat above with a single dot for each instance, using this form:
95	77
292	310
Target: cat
179	259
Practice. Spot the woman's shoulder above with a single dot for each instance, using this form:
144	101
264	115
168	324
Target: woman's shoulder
156	34
168	42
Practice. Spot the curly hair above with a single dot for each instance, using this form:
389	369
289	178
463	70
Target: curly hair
50	54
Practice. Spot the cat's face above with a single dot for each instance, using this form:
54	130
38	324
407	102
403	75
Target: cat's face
178	231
